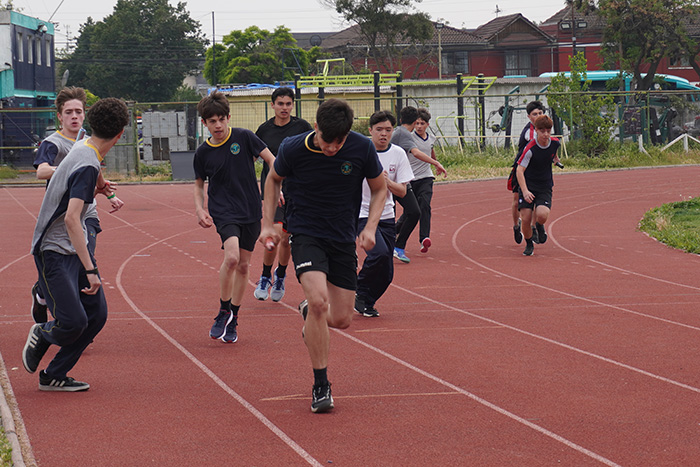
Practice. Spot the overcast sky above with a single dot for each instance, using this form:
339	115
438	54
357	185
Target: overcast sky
297	15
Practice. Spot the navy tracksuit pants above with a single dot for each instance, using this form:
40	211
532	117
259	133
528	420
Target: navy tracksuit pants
378	268
78	317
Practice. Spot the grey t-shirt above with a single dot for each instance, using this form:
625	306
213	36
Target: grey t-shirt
75	177
420	168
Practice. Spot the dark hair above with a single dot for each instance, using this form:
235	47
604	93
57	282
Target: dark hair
408	115
423	114
334	119
108	117
69	94
282	92
534	105
214	105
543	122
382	116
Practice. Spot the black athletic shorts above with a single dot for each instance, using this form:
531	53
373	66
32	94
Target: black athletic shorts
338	260
542	198
247	234
281	216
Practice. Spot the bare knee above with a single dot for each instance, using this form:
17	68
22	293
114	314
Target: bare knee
231	262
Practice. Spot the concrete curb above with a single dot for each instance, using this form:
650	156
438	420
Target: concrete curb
12	422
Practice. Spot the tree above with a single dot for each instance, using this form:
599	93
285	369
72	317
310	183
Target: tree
587	115
387	26
641	33
142	51
258	56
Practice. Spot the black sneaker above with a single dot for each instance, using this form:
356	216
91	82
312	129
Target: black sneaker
304	308
322	401
517	233
529	249
541	233
220	322
67	384
231	336
359	304
39	311
35	348
370	312
535	238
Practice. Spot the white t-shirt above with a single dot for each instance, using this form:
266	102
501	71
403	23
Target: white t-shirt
395	163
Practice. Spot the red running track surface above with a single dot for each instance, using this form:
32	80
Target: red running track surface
586	353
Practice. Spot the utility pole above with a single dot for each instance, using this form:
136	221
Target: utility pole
213	49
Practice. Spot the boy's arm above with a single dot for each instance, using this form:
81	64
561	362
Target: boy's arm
396	188
77	238
520	174
420	155
267	156
269	236
203	217
45	171
377	200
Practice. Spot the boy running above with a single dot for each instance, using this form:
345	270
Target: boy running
403	138
67	270
535	181
378	268
324	171
70	110
273	132
227	161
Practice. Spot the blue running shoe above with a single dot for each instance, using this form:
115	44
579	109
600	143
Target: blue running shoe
400	254
220	322
231	335
262	291
277	291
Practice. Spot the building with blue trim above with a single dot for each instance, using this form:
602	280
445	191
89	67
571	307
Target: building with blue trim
27	81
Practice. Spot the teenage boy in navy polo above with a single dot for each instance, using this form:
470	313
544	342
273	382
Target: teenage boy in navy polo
323	172
273	132
227	161
67	270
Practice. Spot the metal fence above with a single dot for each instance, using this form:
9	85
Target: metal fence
468	121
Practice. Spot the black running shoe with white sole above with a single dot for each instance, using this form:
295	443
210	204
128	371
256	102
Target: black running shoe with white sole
39	311
534	237
529	249
541	233
517	233
370	312
220	322
34	349
304	308
67	384
322	401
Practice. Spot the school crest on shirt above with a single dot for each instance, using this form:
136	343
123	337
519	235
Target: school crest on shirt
346	168
235	148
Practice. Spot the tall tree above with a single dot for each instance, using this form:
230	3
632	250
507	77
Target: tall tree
640	33
258	56
389	28
142	51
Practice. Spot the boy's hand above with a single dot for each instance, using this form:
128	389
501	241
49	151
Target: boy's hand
204	219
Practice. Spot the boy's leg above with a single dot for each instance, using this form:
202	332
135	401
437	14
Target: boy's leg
227	271
412	213
526	215
316	335
378	268
423	189
240	277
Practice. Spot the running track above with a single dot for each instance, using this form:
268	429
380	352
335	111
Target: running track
587	353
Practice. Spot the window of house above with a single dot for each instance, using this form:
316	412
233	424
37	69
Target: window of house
20	47
48	53
455	62
39	51
679	62
519	62
30	50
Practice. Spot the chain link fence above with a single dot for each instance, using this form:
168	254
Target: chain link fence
470	121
